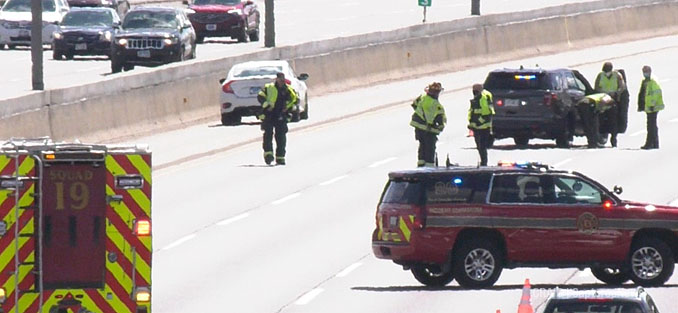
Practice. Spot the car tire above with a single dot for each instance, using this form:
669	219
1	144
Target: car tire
254	36
521	141
56	55
432	275
243	37
563	141
127	67
296	117
69	56
304	115
116	66
230	119
200	39
477	263
650	262
611	276
11	47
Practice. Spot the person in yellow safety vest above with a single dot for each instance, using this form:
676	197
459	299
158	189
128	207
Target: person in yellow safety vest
589	108
480	120
612	83
428	121
277	103
651	102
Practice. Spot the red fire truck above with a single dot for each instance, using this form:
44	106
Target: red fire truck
75	227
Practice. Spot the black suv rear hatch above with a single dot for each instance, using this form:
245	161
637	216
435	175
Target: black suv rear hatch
521	94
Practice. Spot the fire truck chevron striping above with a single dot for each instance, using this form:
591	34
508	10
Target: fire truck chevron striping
75	228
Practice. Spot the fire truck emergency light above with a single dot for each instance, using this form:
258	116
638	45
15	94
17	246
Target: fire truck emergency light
142	294
142	227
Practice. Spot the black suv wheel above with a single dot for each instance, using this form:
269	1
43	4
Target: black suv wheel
610	276
477	263
432	275
650	262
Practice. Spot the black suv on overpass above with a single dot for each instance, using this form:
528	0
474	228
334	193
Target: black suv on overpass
536	103
153	36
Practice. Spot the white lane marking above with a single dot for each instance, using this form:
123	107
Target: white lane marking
349	269
333	180
675	120
638	133
285	199
306	298
179	242
561	163
382	162
585	273
233	219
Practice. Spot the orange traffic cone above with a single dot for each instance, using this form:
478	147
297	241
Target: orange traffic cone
525	306
498	311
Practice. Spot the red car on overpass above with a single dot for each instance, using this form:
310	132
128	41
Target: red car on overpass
225	18
468	223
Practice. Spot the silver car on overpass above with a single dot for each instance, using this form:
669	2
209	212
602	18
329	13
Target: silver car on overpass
244	81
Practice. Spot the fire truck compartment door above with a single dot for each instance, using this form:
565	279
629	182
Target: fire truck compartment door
74	217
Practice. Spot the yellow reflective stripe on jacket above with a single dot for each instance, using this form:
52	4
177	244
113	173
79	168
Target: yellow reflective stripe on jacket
654	101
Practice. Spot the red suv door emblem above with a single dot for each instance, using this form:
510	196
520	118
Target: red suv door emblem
587	223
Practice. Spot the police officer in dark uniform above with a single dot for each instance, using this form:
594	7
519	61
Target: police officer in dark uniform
278	100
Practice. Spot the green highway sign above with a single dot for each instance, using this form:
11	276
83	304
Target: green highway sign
425	3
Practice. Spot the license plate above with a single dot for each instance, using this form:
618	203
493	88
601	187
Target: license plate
80	46
393	221
254	90
144	53
512	102
24	33
211	27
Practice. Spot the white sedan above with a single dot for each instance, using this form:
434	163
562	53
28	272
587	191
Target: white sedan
244	81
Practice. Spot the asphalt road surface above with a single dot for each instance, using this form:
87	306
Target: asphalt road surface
234	235
297	21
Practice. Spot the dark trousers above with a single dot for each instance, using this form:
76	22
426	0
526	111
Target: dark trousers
589	119
652	139
611	117
277	128
482	138
427	147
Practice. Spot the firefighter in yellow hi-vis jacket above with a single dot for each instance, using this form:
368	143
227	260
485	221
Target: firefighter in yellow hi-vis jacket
480	120
428	121
278	100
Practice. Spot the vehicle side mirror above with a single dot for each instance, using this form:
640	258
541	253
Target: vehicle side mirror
221	81
618	189
116	25
249	2
303	76
184	2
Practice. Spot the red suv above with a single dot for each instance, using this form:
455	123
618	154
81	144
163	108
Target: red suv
468	223
225	18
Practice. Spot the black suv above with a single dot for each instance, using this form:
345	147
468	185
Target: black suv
536	103
153	36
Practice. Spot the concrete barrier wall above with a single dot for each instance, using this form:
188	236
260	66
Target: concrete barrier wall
180	93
